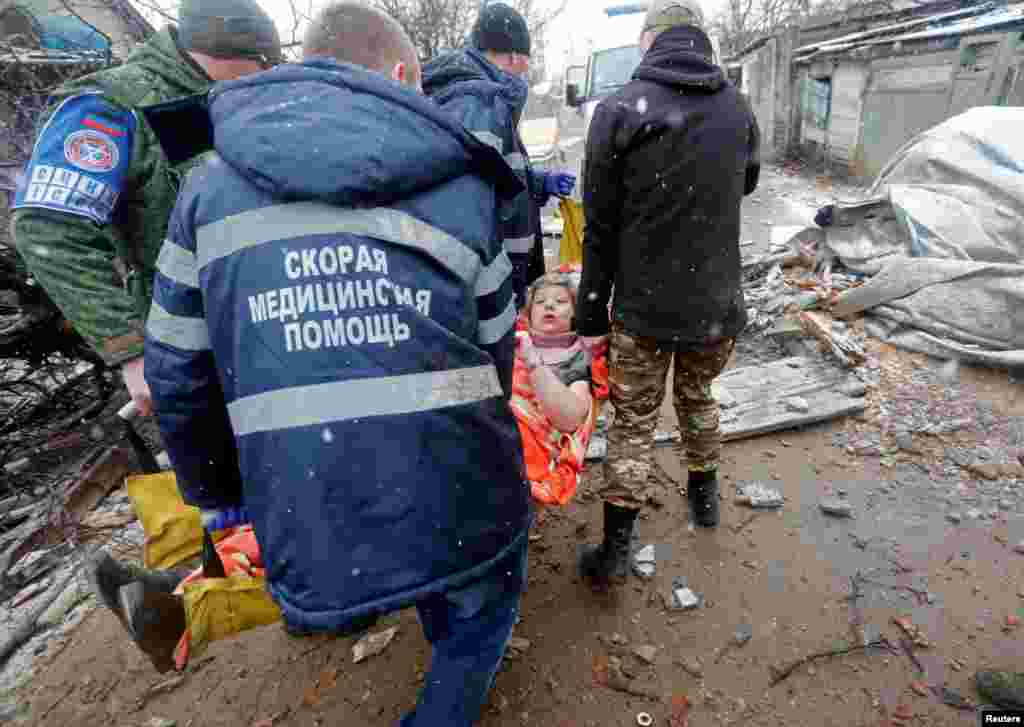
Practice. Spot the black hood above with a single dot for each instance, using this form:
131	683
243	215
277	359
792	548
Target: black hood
681	57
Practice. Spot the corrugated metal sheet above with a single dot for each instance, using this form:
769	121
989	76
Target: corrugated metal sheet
985	17
989	21
857	38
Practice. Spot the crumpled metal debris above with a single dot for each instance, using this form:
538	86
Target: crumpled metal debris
644	563
757	495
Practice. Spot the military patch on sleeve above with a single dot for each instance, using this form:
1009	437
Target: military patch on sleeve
80	160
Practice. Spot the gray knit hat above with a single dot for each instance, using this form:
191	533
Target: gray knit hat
665	14
228	29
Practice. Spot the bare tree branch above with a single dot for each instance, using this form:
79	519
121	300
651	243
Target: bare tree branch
742	22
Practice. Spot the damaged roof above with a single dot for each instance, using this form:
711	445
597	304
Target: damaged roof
987	16
42	56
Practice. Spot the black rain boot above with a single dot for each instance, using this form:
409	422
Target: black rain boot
108	576
155	619
610	559
702	492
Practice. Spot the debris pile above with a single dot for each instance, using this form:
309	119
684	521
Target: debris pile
790	291
43	539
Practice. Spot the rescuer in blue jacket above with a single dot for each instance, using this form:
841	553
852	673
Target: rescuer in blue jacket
331	344
484	86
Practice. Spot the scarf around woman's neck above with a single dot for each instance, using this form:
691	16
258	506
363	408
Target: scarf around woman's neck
555	348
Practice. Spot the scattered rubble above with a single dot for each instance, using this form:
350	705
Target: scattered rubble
683	598
372	644
849	350
692	666
645	653
759	496
913	631
836	506
517	646
743	635
644	564
609	672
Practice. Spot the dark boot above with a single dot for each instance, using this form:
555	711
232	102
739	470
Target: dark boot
1001	688
108	576
610	559
155	619
702	492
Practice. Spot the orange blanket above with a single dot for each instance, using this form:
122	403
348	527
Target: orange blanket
554	459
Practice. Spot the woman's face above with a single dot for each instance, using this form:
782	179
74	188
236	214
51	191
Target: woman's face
552	310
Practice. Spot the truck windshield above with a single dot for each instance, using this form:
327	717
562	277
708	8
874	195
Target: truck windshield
613	68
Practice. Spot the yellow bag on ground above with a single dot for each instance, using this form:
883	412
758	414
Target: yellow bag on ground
571	250
174	532
221	607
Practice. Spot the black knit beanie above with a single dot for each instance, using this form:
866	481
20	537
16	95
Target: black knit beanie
228	29
501	29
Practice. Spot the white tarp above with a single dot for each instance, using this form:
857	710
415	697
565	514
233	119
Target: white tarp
942	235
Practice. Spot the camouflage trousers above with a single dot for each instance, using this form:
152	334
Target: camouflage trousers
637	372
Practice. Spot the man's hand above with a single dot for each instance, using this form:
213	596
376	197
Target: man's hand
594	345
135	380
559	184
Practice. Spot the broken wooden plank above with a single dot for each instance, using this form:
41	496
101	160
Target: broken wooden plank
27	628
107	520
785	377
755	266
762	393
847	350
775	415
16	515
785	330
756	399
106	475
26	573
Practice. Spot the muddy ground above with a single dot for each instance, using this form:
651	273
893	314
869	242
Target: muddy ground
791	576
929	541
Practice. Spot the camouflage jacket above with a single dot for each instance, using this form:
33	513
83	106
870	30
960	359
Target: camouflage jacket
96	258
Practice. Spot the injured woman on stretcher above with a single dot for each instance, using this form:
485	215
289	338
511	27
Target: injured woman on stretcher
558	389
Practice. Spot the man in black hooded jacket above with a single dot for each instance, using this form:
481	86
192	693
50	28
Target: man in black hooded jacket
668	160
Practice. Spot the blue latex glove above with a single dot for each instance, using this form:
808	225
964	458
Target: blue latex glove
230	517
559	184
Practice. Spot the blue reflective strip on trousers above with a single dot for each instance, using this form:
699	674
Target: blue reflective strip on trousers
186	334
178	264
276	223
338	401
